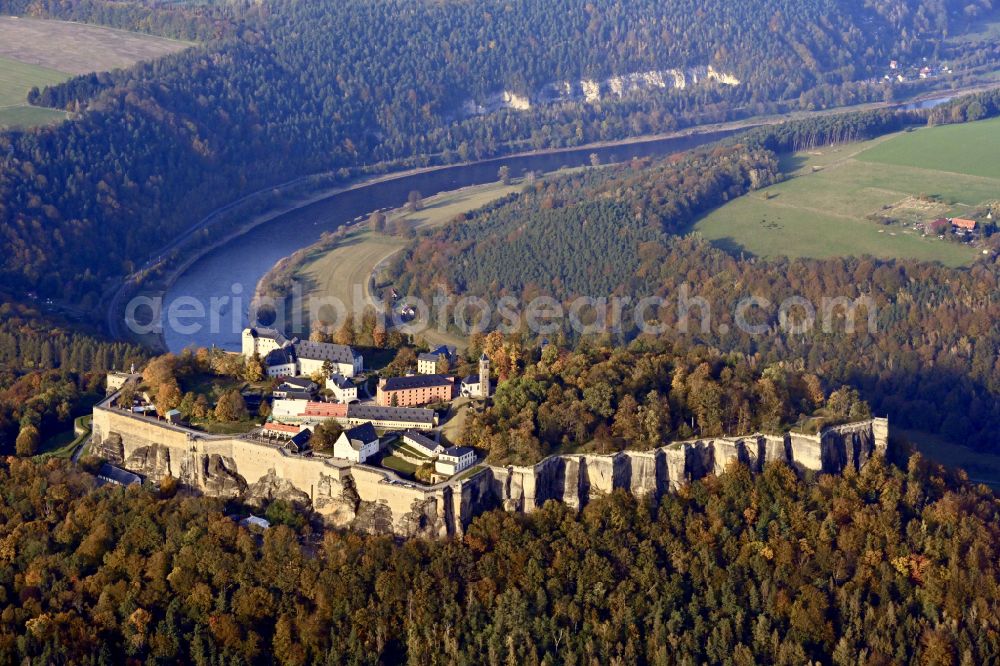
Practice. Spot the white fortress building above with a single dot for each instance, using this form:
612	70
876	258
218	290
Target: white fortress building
284	357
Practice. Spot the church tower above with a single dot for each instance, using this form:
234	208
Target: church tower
484	376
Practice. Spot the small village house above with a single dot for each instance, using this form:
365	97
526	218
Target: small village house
963	224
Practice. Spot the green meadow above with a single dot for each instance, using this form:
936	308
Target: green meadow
39	52
16	79
969	148
868	198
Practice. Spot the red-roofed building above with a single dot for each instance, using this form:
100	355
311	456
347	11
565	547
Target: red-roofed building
282	428
325	410
937	227
963	223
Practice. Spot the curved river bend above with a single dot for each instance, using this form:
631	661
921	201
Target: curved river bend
236	267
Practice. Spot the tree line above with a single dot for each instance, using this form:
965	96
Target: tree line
601	398
296	88
889	565
49	375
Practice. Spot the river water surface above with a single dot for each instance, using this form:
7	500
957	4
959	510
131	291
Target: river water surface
236	267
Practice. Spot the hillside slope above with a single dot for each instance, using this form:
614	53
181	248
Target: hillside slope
292	88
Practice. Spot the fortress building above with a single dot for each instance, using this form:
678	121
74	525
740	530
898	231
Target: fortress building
262	341
283	357
415	390
376	500
427	363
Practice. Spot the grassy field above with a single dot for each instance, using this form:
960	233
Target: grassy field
344	272
41	53
16	79
970	149
826	207
78	48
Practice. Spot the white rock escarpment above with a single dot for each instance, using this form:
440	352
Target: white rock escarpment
593	91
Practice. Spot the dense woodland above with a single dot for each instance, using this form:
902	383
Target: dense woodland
885	566
48	375
929	363
603	399
294	88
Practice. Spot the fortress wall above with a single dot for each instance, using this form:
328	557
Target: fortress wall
134	431
807	451
372	487
575	479
377	501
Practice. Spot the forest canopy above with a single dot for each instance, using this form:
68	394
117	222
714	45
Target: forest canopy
304	87
889	565
928	361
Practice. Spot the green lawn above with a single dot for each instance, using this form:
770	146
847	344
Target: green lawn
399	465
16	79
475	469
409	451
829	204
969	148
225	427
64	444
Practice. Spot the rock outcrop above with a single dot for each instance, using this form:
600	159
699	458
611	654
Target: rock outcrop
423	519
377	501
152	462
593	91
272	487
373	518
337	501
576	479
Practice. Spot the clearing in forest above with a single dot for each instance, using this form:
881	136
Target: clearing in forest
39	53
868	198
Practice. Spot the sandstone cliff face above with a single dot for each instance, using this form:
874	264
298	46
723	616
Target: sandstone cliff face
376	502
373	518
272	487
424	519
110	448
211	474
593	91
337	501
152	462
575	479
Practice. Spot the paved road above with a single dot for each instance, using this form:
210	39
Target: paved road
79	450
